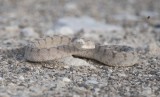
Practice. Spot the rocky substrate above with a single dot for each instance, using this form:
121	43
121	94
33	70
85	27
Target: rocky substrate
108	22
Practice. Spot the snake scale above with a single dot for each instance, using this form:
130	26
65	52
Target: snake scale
57	47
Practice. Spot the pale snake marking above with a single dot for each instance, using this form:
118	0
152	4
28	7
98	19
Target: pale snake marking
57	47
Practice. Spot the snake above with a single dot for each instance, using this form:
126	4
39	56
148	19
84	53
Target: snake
57	47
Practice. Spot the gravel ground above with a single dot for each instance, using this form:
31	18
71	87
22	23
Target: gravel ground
127	22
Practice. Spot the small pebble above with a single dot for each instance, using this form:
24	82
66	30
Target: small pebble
65	79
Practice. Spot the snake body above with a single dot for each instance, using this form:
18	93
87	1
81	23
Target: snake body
52	48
